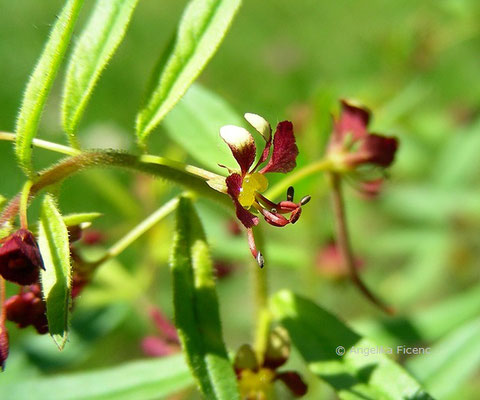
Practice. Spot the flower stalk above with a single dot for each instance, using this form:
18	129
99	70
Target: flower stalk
343	240
188	176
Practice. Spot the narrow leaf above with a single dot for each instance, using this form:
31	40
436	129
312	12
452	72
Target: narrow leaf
318	334
201	30
56	279
40	83
195	124
196	308
94	49
80	218
146	379
450	362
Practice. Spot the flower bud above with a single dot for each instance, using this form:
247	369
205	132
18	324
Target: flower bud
20	258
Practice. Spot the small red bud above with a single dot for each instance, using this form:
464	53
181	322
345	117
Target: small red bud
20	258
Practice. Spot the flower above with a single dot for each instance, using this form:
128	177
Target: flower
167	342
351	145
20	258
246	185
28	308
329	262
256	379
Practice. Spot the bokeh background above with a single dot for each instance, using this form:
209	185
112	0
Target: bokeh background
414	63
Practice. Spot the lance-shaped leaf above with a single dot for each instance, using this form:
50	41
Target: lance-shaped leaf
56	279
354	366
196	308
201	30
145	379
95	47
40	82
195	123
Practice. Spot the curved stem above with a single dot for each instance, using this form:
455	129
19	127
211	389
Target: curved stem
291	179
343	241
190	177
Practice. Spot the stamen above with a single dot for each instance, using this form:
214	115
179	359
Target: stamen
305	200
290	193
260	260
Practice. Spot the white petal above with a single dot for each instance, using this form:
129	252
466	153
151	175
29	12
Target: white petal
236	136
260	124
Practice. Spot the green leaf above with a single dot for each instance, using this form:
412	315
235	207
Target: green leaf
451	362
146	379
40	83
201	30
317	335
80	218
196	308
56	279
94	49
195	125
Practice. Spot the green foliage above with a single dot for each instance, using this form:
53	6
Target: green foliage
95	47
195	124
196	308
201	30
41	82
80	218
56	279
450	362
317	335
147	379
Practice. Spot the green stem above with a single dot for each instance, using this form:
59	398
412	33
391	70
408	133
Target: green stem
262	314
69	151
282	186
344	245
24	204
139	230
190	177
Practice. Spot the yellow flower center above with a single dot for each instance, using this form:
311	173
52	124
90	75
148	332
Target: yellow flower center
255	182
256	385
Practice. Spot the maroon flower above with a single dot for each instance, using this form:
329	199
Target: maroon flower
246	185
330	263
20	258
28	308
256	379
351	144
167	342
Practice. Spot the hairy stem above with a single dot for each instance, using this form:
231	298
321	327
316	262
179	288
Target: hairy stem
185	175
343	242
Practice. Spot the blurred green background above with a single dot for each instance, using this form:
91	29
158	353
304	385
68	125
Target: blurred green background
414	63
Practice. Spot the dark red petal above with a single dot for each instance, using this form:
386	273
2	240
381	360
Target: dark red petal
27	308
164	326
20	258
156	347
294	382
241	144
285	150
234	186
379	150
3	345
352	120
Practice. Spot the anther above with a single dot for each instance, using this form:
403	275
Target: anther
273	210
260	260
305	200
290	193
